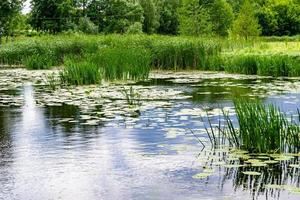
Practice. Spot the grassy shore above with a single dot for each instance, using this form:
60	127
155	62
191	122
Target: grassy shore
133	56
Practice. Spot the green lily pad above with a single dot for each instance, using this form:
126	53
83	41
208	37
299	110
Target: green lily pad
209	171
284	158
251	173
201	175
271	161
274	186
295	165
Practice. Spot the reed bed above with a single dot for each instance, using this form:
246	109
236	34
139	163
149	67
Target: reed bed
117	54
44	52
107	64
265	65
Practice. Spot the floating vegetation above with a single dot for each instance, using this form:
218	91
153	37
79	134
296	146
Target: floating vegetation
202	175
252	173
292	189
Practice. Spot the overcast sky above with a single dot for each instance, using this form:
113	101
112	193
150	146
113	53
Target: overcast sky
26	8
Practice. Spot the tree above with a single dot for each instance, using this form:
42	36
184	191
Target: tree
150	15
280	17
194	19
114	16
82	6
235	4
221	15
51	15
8	11
246	24
168	16
85	25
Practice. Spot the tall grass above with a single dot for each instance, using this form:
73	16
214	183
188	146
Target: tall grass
123	64
166	53
266	65
107	64
185	54
77	72
46	51
261	129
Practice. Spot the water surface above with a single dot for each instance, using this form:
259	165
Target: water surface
88	143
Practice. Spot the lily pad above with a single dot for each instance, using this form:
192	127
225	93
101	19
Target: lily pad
201	175
251	173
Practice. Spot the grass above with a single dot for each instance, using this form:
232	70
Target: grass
274	65
107	64
119	55
166	52
123	64
260	129
80	72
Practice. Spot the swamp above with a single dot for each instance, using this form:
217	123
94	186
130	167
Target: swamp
150	100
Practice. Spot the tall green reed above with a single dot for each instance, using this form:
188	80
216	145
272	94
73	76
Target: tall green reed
259	128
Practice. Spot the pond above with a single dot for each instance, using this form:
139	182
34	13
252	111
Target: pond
87	142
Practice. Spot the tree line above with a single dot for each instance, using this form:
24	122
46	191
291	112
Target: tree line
244	18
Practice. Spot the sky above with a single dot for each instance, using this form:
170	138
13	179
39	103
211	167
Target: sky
26	8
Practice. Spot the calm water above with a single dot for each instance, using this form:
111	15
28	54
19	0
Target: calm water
49	152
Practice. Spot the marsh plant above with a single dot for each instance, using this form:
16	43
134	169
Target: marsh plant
133	98
80	72
52	81
107	64
266	65
257	128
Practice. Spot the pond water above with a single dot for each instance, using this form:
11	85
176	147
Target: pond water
88	143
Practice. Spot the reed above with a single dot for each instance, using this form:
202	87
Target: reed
78	72
108	64
132	97
265	65
123	64
259	129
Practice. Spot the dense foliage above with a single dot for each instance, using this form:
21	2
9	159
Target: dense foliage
244	18
8	13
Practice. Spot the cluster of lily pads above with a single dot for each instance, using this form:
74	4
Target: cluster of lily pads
256	172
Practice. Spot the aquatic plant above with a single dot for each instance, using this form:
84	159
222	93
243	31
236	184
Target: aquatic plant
39	62
107	64
132	97
123	64
80	72
259	128
267	65
44	52
52	81
176	54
